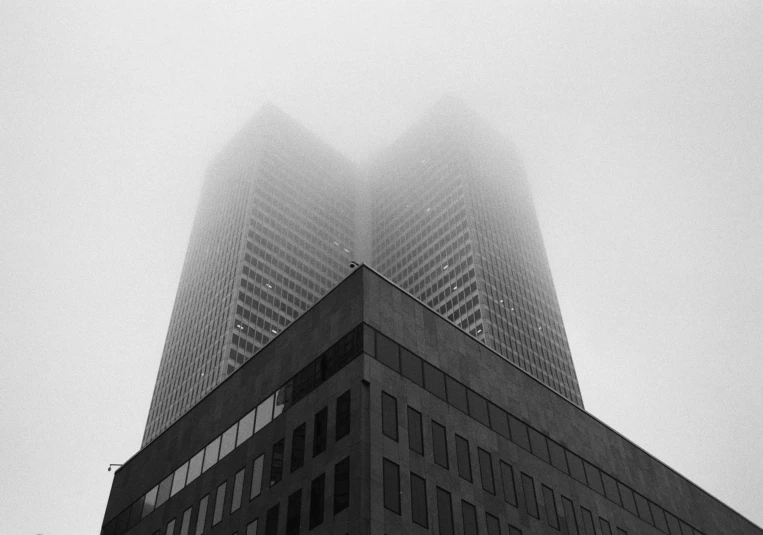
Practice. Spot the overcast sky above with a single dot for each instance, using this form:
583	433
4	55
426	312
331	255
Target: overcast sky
641	127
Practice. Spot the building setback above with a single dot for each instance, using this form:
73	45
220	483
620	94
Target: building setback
372	414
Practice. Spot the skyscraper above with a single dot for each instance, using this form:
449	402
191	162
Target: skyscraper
447	215
454	224
274	231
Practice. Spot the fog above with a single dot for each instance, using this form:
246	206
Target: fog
640	125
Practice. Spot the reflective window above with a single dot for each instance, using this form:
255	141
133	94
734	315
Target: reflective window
251	527
257	476
276	463
391	476
194	467
178	481
264	413
149	504
463	460
298	447
245	427
217	516
170	527
320	423
444	512
228	441
470	518
342	485
415	432
185	525
210	454
202	518
282	399
439	445
238	488
389	416
164	490
419	513
317	497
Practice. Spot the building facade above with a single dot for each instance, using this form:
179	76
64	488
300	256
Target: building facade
274	231
372	414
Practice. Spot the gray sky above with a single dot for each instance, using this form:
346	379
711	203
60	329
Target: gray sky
641	125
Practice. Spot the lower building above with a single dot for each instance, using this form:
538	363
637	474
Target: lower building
372	414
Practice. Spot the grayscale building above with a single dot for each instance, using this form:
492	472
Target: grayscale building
373	414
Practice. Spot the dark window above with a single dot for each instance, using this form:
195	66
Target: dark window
293	513
470	518
486	470
276	463
538	445
389	416
463	460
444	512
319	431
569	516
217	516
202	518
605	529
419	513
434	381
629	503
439	445
342	485
576	467
135	512
271	521
391	486
499	420
478	407
415	433
317	493
519	433
493	525
507	477
659	517
514	531
643	508
610	488
257	477
673	526
558	460
594	477
410	367
368	340
298	447
456	394
388	352
588	521
550	502
238	487
343	415
531	502
622	532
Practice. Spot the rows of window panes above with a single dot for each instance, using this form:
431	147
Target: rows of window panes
458	395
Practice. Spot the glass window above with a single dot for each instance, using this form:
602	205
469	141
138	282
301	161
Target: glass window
257	476
415	432
282	399
470	518
149	504
493	525
538	445
210	454
135	512
486	470
463	460
605	529
343	415
276	463
320	424
185	525
217	516
610	488
368	340
569	516
626	494
593	477
550	503
456	394
514	531
478	407
659	517
519	433
434	381
194	467
342	485
238	488
228	441
251	527
317	493
576	467
164	490
642	506
170	527
509	490
389	416
410	367
264	413
588	521
556	453
178	482
499	420
419	513
391	486
623	532
271	521
673	526
293	513
444	512
298	447
388	352
439	445
202	518
531	502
